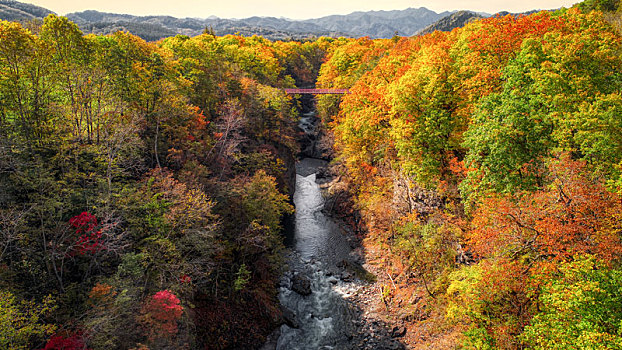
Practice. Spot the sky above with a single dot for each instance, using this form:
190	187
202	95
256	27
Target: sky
294	9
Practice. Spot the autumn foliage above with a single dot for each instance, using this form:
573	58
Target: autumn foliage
89	238
132	176
481	160
65	342
160	314
572	215
142	185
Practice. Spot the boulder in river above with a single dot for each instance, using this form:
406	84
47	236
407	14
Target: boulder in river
347	276
289	317
301	284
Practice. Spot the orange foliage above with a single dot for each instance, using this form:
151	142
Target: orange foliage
101	293
485	47
574	215
501	36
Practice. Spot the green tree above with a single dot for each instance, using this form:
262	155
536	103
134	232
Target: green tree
580	307
598	5
263	203
22	323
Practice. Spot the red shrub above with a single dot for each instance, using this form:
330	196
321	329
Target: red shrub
70	342
161	313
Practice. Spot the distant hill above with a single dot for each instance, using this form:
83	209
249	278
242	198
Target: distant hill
448	23
157	27
461	18
380	24
19	11
375	24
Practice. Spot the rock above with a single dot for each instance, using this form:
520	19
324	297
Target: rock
346	276
398	332
283	282
332	280
342	264
301	285
357	258
289	317
396	346
323	173
272	340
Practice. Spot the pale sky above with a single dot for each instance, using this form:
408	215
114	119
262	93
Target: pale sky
295	9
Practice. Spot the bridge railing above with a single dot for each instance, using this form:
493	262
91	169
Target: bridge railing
317	91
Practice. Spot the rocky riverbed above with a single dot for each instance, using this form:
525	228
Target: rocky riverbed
328	299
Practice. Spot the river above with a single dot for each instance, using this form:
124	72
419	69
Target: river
323	317
322	298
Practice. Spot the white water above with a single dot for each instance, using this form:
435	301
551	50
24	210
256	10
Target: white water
324	316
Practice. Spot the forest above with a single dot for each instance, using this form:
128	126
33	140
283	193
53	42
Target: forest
499	149
143	185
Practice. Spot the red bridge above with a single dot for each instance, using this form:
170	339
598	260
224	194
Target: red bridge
317	91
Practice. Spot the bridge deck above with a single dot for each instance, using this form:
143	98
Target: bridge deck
317	91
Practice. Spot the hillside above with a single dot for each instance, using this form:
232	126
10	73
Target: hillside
158	196
484	163
18	11
455	20
152	28
466	193
380	24
375	24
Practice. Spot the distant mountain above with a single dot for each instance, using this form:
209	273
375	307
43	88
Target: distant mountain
156	27
516	14
455	20
380	24
375	24
19	11
461	18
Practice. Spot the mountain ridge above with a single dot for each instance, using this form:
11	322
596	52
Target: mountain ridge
374	24
11	10
450	22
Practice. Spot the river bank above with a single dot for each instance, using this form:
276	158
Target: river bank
375	328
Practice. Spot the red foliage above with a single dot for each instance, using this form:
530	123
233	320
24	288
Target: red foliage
369	169
85	222
185	279
89	240
67	342
161	313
